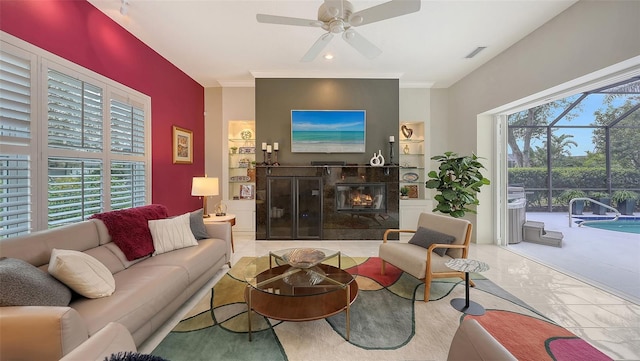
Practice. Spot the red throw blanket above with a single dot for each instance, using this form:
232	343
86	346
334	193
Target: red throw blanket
129	228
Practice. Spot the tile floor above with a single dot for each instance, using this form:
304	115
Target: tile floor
606	321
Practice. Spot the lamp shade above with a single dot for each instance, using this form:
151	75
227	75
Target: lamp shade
204	186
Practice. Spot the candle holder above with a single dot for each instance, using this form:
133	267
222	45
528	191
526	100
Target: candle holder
391	153
268	159
264	157
275	158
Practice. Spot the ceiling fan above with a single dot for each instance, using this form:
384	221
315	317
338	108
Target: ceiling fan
337	16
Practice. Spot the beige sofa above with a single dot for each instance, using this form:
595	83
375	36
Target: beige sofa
148	291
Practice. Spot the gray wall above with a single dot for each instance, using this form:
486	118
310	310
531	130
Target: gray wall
275	98
581	41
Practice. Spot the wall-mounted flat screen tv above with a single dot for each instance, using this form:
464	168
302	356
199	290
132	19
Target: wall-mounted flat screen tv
328	131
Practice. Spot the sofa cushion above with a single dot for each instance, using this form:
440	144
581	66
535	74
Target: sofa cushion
129	228
141	293
82	273
196	222
22	284
425	237
171	234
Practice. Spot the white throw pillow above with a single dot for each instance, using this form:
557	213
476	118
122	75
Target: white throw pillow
171	234
82	273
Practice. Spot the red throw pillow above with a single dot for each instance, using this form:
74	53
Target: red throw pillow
129	228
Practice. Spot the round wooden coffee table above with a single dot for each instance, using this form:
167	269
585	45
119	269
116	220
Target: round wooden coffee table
301	284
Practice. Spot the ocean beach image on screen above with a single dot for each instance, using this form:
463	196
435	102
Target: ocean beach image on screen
328	131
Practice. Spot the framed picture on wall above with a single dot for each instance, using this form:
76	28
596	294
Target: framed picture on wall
182	146
247	191
413	191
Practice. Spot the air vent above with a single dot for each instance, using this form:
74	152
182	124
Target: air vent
475	52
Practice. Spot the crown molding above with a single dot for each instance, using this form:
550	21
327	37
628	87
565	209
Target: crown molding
315	75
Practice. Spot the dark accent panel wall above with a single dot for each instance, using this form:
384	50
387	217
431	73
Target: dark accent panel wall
275	98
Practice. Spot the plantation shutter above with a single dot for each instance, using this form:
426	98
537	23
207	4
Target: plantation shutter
15	194
16	68
15	98
74	113
75	190
128	184
127	128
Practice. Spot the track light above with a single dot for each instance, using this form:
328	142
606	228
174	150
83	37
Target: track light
124	8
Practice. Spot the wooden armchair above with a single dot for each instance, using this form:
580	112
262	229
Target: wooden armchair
421	262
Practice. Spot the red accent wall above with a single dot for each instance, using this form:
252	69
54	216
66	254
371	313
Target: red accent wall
77	31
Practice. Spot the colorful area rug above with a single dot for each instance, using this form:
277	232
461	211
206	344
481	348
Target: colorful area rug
389	321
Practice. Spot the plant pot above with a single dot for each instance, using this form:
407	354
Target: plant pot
578	207
600	210
627	207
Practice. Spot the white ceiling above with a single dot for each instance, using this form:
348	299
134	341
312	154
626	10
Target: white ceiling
219	42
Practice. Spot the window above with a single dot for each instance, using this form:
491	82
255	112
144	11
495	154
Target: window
16	109
89	153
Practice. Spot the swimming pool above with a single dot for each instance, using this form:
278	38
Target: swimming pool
628	225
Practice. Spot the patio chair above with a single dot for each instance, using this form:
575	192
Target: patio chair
424	263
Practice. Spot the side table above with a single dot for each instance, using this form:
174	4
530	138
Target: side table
231	218
467	265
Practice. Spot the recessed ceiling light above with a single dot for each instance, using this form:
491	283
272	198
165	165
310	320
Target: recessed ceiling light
328	56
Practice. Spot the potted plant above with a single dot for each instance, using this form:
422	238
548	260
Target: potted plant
233	150
457	182
625	201
404	192
578	205
602	197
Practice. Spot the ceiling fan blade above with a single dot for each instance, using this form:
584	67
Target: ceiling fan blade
361	44
284	20
384	11
317	47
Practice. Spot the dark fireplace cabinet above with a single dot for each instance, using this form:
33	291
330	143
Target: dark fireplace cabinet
353	202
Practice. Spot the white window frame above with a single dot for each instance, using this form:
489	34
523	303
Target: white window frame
38	150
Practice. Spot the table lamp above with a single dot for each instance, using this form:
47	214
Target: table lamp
204	187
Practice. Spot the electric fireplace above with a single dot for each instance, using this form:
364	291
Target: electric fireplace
361	197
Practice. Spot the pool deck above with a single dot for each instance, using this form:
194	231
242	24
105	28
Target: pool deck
606	259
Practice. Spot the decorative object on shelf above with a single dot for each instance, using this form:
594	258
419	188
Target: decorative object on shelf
246	191
458	183
233	150
406	149
182	146
247	150
410	177
221	209
406	131
246	134
392	140
204	187
276	147
240	178
269	151
251	172
377	160
244	163
404	192
413	191
264	153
